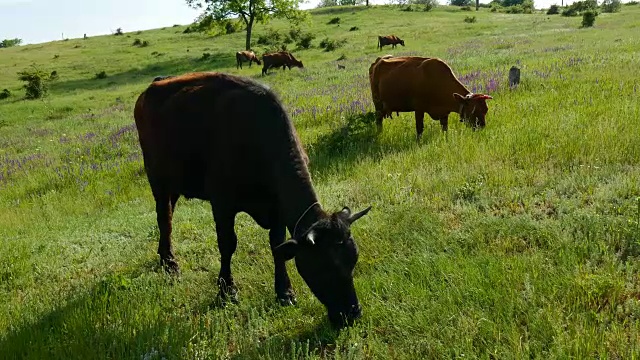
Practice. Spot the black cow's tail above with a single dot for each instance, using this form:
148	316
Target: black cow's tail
379	47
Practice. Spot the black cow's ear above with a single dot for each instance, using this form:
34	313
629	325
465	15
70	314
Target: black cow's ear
287	250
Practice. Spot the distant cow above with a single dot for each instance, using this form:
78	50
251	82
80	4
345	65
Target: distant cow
279	59
389	40
423	85
228	140
246	55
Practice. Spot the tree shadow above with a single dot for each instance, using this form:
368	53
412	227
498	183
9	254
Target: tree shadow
97	324
356	139
146	73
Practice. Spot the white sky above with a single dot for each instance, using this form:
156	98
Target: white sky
36	21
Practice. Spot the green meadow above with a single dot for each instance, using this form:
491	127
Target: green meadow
518	241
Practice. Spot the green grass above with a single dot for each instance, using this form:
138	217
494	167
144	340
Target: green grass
518	241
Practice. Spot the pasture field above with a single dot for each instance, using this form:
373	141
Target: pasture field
518	241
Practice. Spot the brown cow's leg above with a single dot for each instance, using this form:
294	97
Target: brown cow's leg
164	213
282	284
444	123
227	243
419	124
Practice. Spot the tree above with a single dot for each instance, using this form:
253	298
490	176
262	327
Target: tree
460	2
250	11
10	42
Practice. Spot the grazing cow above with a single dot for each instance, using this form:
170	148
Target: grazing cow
423	85
228	140
250	56
279	59
389	40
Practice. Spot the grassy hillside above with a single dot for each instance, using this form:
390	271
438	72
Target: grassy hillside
518	241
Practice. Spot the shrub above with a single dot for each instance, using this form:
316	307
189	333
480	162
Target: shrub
570	12
335	20
5	94
101	75
354	28
514	9
553	10
611	6
331	45
53	75
428	5
460	2
466	8
37	82
305	40
137	42
6	43
118	32
632	3
589	18
342	57
470	19
271	37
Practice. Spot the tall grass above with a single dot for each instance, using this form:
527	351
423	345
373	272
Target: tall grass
521	240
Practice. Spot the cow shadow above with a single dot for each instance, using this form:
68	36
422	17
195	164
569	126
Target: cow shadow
354	140
146	73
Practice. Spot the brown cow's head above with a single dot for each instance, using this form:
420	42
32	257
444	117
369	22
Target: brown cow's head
325	256
298	63
473	109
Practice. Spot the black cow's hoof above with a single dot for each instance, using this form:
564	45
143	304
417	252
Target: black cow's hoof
170	266
288	299
228	296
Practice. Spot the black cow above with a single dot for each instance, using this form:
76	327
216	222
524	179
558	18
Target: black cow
228	140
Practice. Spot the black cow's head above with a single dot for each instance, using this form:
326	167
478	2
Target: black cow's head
325	256
401	42
473	109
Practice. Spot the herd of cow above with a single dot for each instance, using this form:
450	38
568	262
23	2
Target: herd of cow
228	140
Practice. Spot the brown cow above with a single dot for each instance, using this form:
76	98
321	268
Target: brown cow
228	140
246	55
423	85
389	40
279	59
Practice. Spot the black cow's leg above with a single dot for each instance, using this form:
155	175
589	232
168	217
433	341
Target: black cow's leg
227	243
419	124
282	284
444	123
379	117
164	213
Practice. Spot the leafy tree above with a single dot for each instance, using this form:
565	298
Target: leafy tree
460	2
250	11
10	42
611	6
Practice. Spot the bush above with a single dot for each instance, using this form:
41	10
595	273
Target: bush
466	8
37	82
460	2
53	75
578	7
6	43
589	18
335	20
137	42
570	12
611	6
272	37
427	5
354	28
101	75
470	19
5	94
553	10
305	40
331	45
118	32
632	3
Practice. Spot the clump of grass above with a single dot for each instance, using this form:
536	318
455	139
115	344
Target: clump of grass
354	28
140	43
101	75
305	40
470	19
333	21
